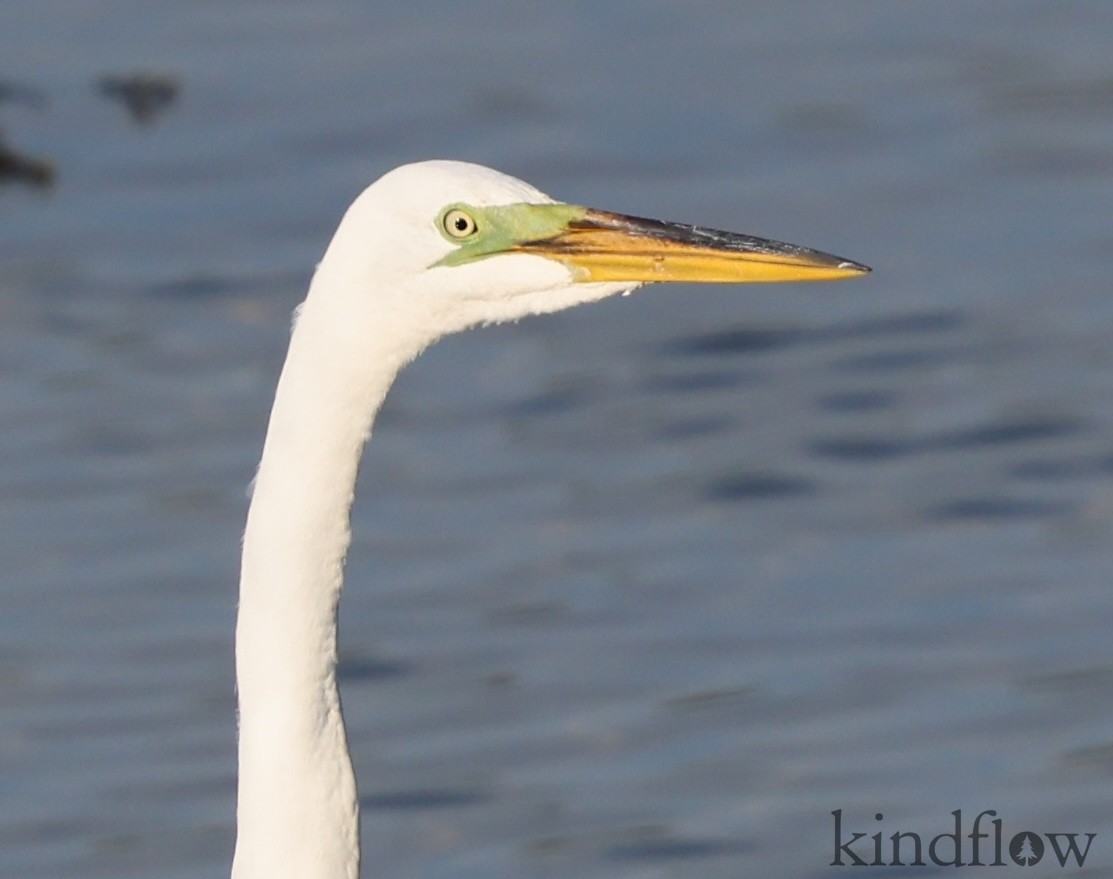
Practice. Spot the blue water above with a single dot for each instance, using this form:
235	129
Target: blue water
645	589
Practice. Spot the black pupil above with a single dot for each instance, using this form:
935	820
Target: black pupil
461	224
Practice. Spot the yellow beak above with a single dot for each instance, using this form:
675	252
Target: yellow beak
602	246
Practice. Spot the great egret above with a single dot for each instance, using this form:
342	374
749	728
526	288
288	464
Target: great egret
429	249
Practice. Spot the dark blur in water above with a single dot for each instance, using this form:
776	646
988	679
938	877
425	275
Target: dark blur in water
641	590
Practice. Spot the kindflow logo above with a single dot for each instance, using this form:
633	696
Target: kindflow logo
987	844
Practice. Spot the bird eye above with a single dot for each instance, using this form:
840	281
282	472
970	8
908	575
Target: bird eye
459	224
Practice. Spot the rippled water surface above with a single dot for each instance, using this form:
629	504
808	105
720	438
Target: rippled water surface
646	589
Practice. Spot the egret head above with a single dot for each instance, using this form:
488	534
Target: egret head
450	245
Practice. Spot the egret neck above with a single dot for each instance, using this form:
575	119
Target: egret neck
298	811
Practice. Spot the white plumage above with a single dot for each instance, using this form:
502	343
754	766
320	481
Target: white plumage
403	269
